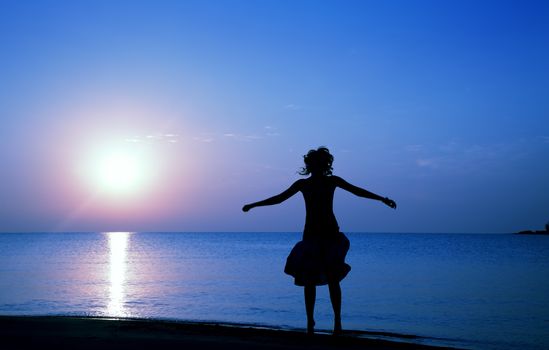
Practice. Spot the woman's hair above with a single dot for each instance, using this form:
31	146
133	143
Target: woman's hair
318	160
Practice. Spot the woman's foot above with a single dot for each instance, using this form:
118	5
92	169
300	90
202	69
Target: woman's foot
337	327
310	327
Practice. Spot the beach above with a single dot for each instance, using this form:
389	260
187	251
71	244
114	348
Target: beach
66	332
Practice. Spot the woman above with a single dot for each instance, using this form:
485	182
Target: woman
319	258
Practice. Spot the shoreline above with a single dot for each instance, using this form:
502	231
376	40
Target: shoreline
83	332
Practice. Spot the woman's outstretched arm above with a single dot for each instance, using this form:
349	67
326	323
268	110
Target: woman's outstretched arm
363	193
279	198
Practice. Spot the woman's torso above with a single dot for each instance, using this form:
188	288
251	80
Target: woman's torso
320	221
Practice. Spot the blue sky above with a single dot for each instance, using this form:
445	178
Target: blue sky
440	105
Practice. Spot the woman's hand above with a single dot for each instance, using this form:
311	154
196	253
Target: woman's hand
247	207
389	202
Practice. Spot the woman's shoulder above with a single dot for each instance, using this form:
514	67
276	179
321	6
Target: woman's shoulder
331	179
335	179
326	180
299	183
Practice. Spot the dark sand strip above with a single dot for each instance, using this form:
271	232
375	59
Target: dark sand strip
48	332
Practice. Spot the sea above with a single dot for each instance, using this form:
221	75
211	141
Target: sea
472	291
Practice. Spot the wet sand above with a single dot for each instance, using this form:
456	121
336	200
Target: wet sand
52	332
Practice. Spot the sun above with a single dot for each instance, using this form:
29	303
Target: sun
119	171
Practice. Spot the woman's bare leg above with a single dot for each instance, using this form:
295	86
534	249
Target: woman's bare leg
335	297
310	297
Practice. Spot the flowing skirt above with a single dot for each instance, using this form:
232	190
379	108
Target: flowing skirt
318	261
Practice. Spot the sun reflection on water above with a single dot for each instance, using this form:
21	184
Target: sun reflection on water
118	245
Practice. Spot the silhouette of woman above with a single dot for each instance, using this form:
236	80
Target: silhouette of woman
319	259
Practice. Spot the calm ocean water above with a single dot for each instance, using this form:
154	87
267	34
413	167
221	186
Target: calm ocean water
477	291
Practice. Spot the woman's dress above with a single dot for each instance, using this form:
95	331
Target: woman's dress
318	261
319	258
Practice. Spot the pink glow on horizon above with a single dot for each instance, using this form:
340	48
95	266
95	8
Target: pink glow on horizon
75	173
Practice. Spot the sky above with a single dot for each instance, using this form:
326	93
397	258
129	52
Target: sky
170	115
